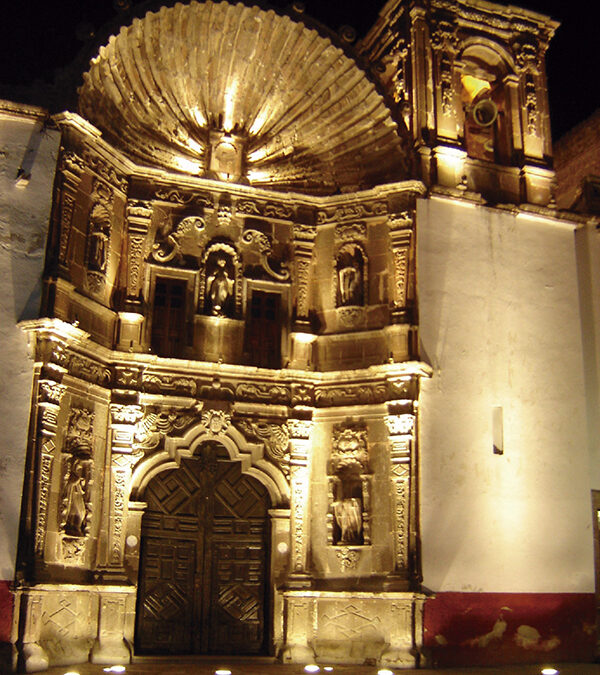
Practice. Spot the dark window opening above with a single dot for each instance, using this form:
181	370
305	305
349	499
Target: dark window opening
168	317
263	330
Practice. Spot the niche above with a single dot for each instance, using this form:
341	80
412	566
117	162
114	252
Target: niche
350	273
349	488
220	283
484	103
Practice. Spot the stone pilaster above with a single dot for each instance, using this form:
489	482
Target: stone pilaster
401	232
401	428
50	394
301	336
71	168
131	321
300	431
122	431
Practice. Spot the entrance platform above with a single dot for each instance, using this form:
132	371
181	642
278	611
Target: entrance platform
264	666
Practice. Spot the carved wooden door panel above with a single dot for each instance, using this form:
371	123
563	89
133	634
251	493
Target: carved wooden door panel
238	550
203	570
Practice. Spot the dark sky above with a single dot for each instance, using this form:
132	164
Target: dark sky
41	36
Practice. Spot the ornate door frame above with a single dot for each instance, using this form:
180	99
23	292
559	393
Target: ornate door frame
216	426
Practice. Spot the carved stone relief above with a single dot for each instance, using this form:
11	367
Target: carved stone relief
98	236
275	437
77	476
157	424
351	212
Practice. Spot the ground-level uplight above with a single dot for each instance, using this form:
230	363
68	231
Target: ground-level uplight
115	669
328	668
222	671
549	671
384	671
311	668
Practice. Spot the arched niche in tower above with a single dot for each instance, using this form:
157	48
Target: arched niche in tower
486	102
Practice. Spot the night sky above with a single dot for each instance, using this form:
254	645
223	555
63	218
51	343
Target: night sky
42	37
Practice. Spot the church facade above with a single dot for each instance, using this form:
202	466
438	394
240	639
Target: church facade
314	373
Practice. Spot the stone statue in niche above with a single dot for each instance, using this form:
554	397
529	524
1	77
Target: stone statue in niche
348	516
348	519
350	276
220	285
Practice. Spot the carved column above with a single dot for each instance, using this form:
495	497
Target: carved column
139	214
401	428
123	425
299	430
302	337
71	168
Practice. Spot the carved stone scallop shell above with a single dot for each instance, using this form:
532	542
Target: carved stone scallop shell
308	116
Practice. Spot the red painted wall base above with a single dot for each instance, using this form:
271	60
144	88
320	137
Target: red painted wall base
6	617
6	611
489	629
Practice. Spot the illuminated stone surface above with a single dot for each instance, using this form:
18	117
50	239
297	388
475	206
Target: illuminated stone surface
227	405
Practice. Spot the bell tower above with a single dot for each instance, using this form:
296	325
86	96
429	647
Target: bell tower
469	81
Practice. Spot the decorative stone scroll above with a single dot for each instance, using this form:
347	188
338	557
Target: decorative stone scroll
49	399
169	248
351	212
268	210
260	240
349	487
104	170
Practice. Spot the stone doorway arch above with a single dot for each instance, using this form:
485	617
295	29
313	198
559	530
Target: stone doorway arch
204	568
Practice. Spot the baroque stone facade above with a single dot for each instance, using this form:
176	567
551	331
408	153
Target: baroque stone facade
229	358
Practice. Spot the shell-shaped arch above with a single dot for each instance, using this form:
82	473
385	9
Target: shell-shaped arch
308	116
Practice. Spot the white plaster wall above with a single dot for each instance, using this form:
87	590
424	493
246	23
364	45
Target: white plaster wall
500	324
588	265
24	217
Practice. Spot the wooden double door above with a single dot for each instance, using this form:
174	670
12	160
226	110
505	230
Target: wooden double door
204	560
